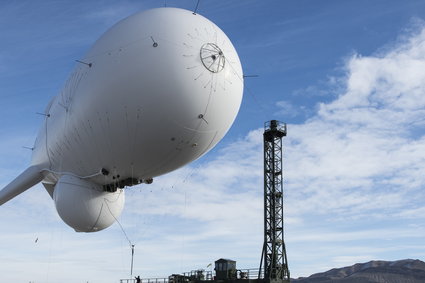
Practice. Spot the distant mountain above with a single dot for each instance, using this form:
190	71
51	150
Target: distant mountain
401	271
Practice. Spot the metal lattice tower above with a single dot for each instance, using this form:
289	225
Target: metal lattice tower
274	262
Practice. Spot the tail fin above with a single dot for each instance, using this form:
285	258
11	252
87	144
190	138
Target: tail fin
23	182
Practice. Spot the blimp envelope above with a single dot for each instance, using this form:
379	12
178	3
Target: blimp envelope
156	91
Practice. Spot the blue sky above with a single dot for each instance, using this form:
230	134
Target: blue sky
347	76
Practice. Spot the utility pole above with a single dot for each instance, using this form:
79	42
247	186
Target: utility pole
274	262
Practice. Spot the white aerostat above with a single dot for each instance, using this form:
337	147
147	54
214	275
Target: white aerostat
158	90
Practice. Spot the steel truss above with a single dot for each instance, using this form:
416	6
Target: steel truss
274	262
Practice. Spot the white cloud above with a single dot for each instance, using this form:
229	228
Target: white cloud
287	109
366	149
359	160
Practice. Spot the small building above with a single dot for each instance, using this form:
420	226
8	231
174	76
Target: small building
225	269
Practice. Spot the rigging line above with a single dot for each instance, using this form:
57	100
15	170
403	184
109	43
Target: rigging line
34	133
183	180
127	125
182	258
46	140
132	136
109	51
191	173
196	8
125	234
122	229
160	219
51	250
183	239
257	102
65	131
132	142
104	130
136	131
97	219
263	109
100	143
89	136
